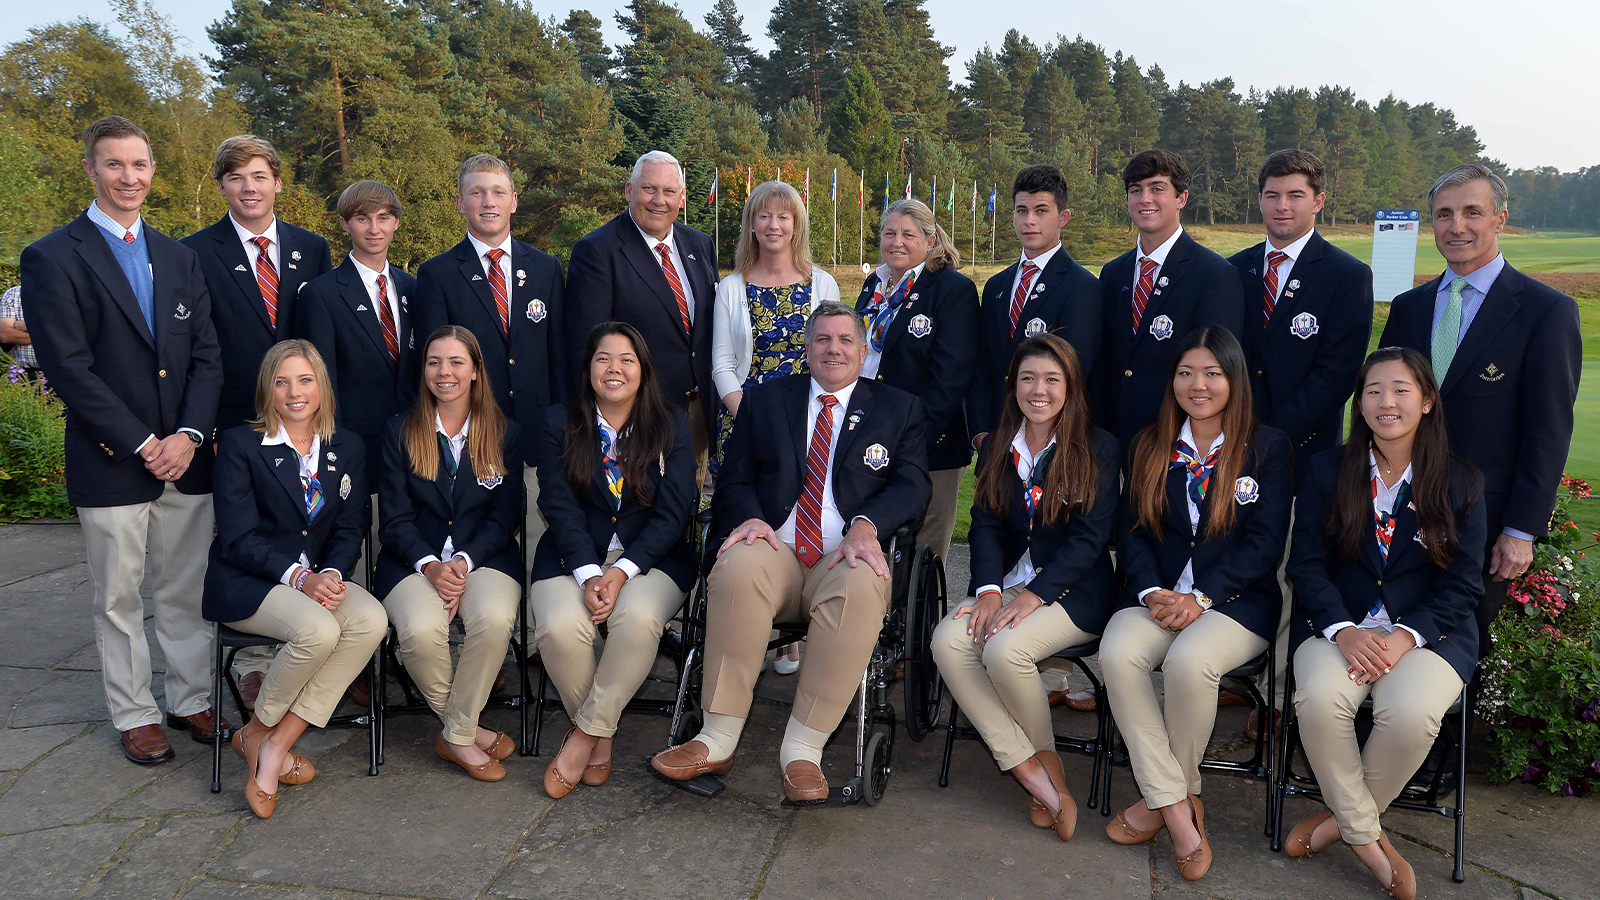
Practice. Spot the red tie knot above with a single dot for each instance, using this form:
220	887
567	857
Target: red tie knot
383	287
1276	258
495	254
261	242
128	237
828	401
665	253
1028	268
1147	267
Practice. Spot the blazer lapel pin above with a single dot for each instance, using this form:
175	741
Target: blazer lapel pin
855	419
240	268
477	278
295	255
522	277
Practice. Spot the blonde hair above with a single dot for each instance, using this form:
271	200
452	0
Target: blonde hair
367	197
783	196
942	251
237	151
484	162
266	420
417	433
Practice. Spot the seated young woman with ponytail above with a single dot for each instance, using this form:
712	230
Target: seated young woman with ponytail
1386	562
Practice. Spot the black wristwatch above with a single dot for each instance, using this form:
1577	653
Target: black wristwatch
193	436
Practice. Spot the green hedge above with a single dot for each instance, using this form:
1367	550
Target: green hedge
32	449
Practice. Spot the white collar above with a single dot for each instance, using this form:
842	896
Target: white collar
245	235
438	425
1159	255
913	273
281	438
842	395
1293	251
99	217
1020	444
1187	436
1383	487
483	249
369	277
1042	260
651	242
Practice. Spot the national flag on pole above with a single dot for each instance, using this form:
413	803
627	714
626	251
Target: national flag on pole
950	204
974	206
711	198
908	188
805	190
991	197
933	192
886	190
833	192
779	176
749	172
861	189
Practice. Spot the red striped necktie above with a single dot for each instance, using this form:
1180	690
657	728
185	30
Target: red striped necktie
1141	296
1020	297
676	284
391	334
267	278
1269	286
808	520
497	286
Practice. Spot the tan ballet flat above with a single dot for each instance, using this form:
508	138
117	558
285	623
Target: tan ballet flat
1299	845
1195	865
489	771
502	748
1403	881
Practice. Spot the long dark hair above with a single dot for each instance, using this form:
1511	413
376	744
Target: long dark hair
1074	472
1349	523
488	422
643	441
1152	448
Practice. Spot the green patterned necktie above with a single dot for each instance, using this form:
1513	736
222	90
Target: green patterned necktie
1447	334
450	464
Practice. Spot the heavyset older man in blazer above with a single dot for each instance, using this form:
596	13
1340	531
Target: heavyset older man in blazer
122	321
819	470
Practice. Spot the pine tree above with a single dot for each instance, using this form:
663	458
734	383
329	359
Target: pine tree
803	63
727	32
1086	64
1139	117
583	29
797	130
915	85
859	126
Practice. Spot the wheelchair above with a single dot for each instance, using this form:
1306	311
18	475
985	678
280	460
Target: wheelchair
917	601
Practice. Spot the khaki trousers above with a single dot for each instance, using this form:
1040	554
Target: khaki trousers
488	610
998	683
751	588
1165	750
176	529
594	695
534	525
323	650
1408	705
939	524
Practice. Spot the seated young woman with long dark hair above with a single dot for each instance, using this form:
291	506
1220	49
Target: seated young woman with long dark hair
292	496
1386	564
1208	500
450	514
617	484
1043	513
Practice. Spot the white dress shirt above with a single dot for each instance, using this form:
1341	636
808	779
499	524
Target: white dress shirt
628	566
308	469
1042	260
369	280
253	252
1186	578
677	263
1022	572
1159	255
482	249
458	443
831	522
1293	251
869	369
1383	503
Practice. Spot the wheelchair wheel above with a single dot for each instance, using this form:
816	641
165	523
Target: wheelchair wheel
687	729
925	606
877	769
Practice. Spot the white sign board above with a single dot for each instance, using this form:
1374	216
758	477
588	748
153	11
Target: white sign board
1394	252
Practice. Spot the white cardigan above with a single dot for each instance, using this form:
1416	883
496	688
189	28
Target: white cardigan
732	338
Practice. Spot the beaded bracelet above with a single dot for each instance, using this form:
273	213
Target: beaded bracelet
300	579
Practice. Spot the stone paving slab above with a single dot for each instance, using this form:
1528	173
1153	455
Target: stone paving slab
32	549
47	617
55	862
168	854
21	746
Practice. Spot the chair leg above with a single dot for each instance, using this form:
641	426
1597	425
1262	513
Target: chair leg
949	744
524	691
1099	741
382	696
216	701
1285	755
538	711
1264	729
1460	873
373	726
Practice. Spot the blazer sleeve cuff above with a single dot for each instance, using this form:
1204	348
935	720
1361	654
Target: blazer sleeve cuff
198	437
466	558
140	449
1416	635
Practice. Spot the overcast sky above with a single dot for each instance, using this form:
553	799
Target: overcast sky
1523	75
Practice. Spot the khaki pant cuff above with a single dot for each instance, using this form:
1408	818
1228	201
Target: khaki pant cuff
460	740
591	728
1157	801
1011	758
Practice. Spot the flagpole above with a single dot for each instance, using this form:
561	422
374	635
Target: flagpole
992	207
861	213
836	219
716	217
974	221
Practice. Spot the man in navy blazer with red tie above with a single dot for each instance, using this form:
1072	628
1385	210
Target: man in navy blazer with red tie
1507	352
1165	287
659	275
254	265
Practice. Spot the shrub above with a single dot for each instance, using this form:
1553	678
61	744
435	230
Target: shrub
32	450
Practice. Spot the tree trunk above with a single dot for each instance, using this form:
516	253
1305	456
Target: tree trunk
338	125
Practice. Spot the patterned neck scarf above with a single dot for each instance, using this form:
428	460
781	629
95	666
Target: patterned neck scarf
1034	483
880	313
1383	522
608	460
1199	470
314	501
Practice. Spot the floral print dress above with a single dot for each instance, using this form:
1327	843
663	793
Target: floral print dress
778	324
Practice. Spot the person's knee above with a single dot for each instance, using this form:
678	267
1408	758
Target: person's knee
950	640
1192	662
634	624
566	625
1004	651
488	619
1408	718
318	635
1317	698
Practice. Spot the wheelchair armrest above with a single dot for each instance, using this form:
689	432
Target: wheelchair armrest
703	517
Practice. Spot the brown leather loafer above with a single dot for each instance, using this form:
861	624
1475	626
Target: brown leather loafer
146	745
1252	726
1229	698
687	761
1082	701
489	771
1039	816
357	692
202	726
502	748
250	688
803	782
1051	760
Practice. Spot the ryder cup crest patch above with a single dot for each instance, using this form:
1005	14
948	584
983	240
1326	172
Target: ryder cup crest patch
920	326
344	487
1035	326
1161	328
1303	326
877	457
490	482
536	310
1245	490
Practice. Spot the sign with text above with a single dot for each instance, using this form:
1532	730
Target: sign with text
1394	251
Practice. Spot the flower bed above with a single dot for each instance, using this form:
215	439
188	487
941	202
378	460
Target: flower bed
33	479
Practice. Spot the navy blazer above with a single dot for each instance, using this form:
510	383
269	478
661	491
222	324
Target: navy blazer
936	359
1509	394
1135	370
481	515
1239	570
528	370
1071	558
1438	603
582	524
335	313
1065	301
764	464
121	383
1303	363
613	276
238	313
261	518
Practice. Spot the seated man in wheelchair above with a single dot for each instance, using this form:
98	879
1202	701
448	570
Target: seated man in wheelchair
819	470
1386	563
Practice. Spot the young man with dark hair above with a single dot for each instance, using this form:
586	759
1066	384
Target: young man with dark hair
1308	315
1044	291
254	265
121	320
1165	287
